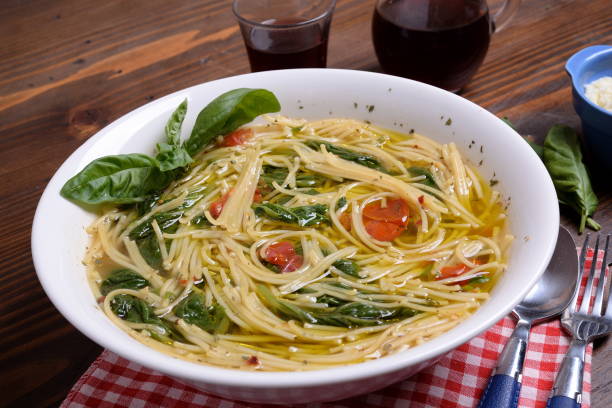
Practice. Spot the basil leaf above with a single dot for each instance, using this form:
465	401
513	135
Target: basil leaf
346	154
563	159
536	147
416	171
227	112
120	179
304	216
341	203
507	122
173	127
172	157
348	266
123	279
193	310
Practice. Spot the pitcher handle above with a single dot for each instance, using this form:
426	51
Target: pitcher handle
504	14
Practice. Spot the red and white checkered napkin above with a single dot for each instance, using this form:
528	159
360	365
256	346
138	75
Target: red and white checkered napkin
457	380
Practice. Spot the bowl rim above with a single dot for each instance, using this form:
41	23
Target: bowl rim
577	63
280	380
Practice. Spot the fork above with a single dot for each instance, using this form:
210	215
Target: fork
584	326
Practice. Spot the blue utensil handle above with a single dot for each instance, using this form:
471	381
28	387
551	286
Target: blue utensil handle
501	392
559	401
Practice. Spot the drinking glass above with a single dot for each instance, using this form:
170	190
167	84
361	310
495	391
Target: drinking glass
440	42
281	34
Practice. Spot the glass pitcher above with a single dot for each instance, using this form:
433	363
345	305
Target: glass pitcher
440	42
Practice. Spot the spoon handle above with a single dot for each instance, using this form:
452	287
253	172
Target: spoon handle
505	385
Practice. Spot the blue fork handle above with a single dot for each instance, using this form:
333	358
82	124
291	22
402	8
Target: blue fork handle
501	392
559	401
567	390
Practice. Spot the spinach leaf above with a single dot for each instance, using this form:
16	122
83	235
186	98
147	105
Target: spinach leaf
304	216
279	174
563	159
346	154
149	249
226	113
341	203
173	126
331	301
135	310
172	157
148	203
353	314
167	221
286	309
348	266
193	310
123	279
200	221
120	179
416	171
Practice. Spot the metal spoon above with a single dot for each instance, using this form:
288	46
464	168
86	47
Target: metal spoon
549	297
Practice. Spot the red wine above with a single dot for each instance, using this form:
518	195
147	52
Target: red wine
292	47
440	42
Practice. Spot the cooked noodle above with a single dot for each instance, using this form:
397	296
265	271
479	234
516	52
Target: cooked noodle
352	293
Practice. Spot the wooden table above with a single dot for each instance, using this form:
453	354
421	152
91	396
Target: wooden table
68	68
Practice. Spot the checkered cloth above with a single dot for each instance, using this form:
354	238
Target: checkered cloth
457	380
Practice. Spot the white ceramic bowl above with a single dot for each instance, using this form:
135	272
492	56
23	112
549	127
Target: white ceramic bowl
59	238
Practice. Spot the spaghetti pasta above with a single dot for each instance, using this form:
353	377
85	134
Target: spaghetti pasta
310	245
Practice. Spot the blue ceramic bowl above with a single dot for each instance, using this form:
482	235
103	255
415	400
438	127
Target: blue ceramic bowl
584	67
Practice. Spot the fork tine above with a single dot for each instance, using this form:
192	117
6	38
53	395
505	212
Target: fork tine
598	303
586	298
572	306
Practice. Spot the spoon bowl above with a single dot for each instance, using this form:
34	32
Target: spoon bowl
553	292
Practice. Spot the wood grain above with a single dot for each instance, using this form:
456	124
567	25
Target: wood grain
68	68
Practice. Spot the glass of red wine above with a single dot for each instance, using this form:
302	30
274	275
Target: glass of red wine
281	34
439	42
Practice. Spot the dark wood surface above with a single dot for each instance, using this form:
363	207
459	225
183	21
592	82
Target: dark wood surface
70	67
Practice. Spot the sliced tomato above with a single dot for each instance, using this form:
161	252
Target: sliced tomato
451	271
237	137
257	196
383	231
293	263
217	206
396	211
283	254
345	220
